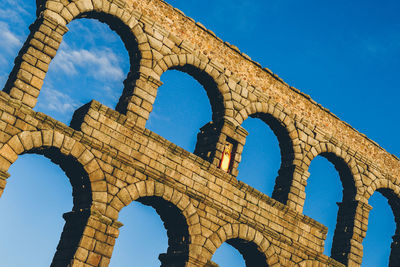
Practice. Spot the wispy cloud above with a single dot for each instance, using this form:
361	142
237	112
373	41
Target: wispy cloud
56	101
101	64
383	43
111	94
15	11
9	45
9	40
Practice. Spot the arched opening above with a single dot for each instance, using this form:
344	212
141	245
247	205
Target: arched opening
143	239
182	107
268	149
324	191
81	188
380	245
92	62
249	255
32	205
228	256
260	157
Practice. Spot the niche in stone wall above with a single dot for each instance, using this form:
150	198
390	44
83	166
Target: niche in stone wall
91	63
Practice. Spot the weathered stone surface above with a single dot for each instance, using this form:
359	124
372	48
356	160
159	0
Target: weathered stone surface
117	160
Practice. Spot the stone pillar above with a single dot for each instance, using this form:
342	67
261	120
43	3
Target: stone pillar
394	259
211	264
32	62
290	187
211	142
350	231
3	181
88	238
175	259
138	98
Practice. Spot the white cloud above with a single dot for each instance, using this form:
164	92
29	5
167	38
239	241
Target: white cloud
111	94
14	11
101	64
9	45
56	101
10	41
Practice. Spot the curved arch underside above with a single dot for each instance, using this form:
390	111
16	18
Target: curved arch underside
112	159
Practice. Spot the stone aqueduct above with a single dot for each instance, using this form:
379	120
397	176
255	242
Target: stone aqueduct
111	159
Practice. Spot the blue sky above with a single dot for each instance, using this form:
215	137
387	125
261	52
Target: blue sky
345	54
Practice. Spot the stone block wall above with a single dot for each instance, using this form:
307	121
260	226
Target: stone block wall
111	158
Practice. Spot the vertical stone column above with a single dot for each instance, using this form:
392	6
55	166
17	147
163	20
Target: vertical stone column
88	238
138	98
211	264
172	260
3	181
211	142
179	260
394	203
350	231
290	187
394	259
32	62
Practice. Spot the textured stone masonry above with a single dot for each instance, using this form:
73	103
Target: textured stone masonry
112	160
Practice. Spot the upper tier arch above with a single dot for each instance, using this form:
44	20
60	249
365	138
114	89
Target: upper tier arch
345	165
209	77
32	63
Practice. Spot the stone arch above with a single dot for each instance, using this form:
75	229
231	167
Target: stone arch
392	193
208	76
32	63
126	25
382	184
176	211
346	166
350	177
255	248
282	124
66	152
84	173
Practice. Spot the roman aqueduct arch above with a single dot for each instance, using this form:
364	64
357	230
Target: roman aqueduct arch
268	231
